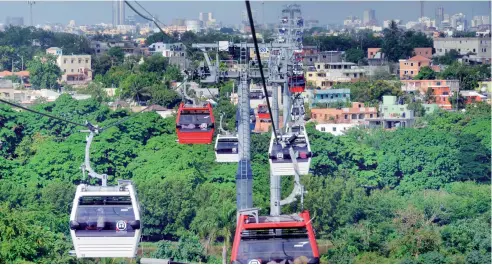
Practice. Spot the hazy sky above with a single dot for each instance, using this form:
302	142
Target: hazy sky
229	12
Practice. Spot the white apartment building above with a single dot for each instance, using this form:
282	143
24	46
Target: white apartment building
76	69
336	129
327	74
479	46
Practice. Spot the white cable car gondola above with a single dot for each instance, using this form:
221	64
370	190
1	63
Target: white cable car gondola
226	145
105	221
226	149
280	160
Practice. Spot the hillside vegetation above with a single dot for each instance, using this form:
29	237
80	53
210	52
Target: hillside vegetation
406	196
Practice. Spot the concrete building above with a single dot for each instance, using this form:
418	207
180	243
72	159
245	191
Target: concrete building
309	59
54	51
411	67
328	74
76	69
479	46
472	96
192	25
369	17
425	52
357	114
327	96
334	128
118	12
421	86
392	114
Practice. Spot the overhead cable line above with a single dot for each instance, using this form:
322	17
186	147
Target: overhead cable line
41	113
257	51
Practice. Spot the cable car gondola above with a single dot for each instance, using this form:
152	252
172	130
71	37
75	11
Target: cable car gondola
105	221
297	84
297	110
281	163
226	149
195	124
284	239
263	113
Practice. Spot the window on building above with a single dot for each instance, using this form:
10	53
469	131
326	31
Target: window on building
334	129
438	83
71	70
354	116
360	105
80	60
370	116
411	72
361	116
314	116
64	60
473	50
318	66
346	117
406	72
71	61
411	64
323	129
310	75
86	60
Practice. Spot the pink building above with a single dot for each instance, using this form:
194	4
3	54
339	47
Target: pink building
426	52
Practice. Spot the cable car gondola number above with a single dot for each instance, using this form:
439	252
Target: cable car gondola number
121	225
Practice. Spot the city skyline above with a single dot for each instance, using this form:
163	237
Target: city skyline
229	13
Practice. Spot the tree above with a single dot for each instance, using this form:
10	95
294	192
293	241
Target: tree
44	72
448	57
392	40
425	73
159	37
468	75
354	55
117	55
155	63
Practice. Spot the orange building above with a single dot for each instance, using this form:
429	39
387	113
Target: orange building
371	52
425	52
441	97
422	85
411	67
355	114
472	96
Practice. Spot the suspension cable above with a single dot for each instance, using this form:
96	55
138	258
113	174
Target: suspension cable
42	113
257	51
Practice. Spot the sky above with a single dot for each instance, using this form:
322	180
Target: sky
229	12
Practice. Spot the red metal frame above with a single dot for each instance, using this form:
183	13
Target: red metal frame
305	223
195	137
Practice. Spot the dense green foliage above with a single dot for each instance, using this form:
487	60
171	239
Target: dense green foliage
425	73
44	72
414	195
19	44
468	75
371	92
399	44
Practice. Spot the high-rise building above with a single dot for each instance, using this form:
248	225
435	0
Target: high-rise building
439	16
14	21
369	17
118	12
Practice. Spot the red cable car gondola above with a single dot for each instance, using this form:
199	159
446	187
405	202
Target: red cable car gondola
263	113
195	124
284	239
297	84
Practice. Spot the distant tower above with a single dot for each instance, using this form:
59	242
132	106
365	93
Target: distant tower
118	12
30	3
439	16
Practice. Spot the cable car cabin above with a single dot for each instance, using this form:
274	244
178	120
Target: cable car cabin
297	112
226	149
195	125
263	113
105	221
284	239
297	84
281	163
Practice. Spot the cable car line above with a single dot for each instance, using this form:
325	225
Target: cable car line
257	51
42	114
